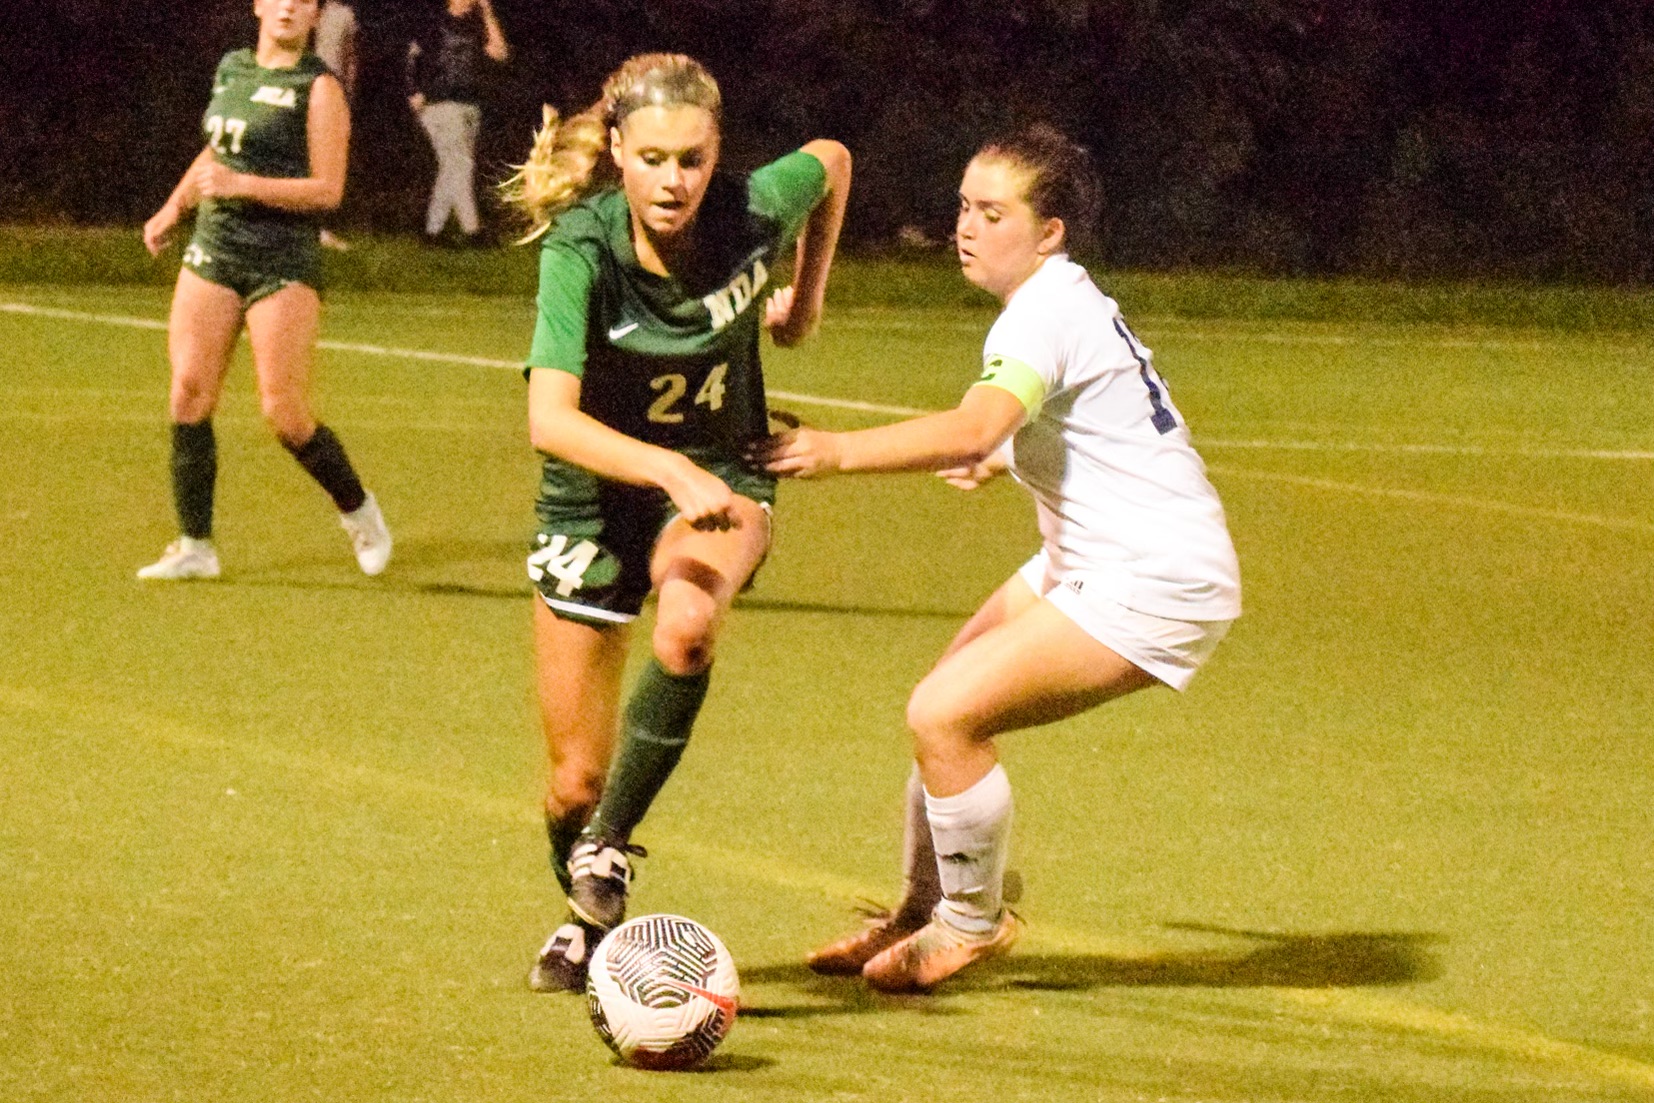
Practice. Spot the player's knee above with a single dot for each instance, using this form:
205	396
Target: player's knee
290	420
682	653
575	787
924	715
577	814
190	400
684	634
935	719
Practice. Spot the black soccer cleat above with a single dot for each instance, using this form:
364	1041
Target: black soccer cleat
561	966
601	873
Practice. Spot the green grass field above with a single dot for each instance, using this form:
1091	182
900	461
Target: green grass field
276	838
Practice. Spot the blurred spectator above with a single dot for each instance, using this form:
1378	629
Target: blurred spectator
445	62
335	44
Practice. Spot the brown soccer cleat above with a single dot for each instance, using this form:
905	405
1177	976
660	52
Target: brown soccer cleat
936	952
846	957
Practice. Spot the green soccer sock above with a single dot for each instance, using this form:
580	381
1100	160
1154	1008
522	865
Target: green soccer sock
658	719
194	472
563	832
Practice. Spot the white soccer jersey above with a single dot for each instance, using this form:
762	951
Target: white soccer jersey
1121	492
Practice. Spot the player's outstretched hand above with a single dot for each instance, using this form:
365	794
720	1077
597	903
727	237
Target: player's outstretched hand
969	478
704	500
798	453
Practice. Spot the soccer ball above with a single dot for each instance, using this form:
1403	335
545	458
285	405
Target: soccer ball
662	991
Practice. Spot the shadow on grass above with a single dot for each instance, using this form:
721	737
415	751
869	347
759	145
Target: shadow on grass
718	1062
1355	959
824	996
380	585
296	574
417	567
770	605
277	576
1267	959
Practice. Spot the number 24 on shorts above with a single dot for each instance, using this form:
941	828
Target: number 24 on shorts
568	567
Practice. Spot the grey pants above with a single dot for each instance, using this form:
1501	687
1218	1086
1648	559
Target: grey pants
452	128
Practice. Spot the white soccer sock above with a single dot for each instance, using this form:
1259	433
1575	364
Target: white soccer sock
972	833
922	891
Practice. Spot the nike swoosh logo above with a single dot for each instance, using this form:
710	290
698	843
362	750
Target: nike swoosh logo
617	332
723	1003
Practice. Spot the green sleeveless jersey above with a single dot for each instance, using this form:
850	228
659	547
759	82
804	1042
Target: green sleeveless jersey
258	123
672	360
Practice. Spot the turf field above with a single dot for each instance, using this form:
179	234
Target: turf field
275	838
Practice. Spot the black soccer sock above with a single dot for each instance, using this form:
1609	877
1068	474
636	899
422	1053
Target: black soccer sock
194	473
563	832
658	720
324	457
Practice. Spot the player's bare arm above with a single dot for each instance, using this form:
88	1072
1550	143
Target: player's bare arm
792	313
158	230
558	427
967	435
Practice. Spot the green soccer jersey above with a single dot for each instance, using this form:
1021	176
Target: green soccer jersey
257	123
672	360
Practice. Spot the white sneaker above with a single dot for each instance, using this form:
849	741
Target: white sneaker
184	558
369	536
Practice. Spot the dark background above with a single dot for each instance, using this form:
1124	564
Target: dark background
1414	138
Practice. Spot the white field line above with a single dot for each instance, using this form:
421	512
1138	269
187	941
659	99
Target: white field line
37	311
1432	449
1172	329
364	349
848	404
1428	497
1169	328
427	356
1193	329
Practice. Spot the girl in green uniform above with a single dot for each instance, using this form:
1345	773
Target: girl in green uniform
277	138
644	391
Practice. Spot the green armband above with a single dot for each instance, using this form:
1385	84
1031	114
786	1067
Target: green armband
1016	377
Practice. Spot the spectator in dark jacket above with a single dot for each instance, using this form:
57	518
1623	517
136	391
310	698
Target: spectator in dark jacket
445	64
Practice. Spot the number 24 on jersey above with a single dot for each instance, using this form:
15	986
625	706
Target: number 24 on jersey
673	386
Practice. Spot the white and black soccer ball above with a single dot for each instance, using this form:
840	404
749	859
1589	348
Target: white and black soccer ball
662	991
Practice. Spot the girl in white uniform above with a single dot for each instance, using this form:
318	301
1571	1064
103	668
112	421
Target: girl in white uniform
1136	581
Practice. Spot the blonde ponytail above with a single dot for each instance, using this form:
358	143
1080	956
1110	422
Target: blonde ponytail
569	158
567	161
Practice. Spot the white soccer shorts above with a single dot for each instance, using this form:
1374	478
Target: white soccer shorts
1170	650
